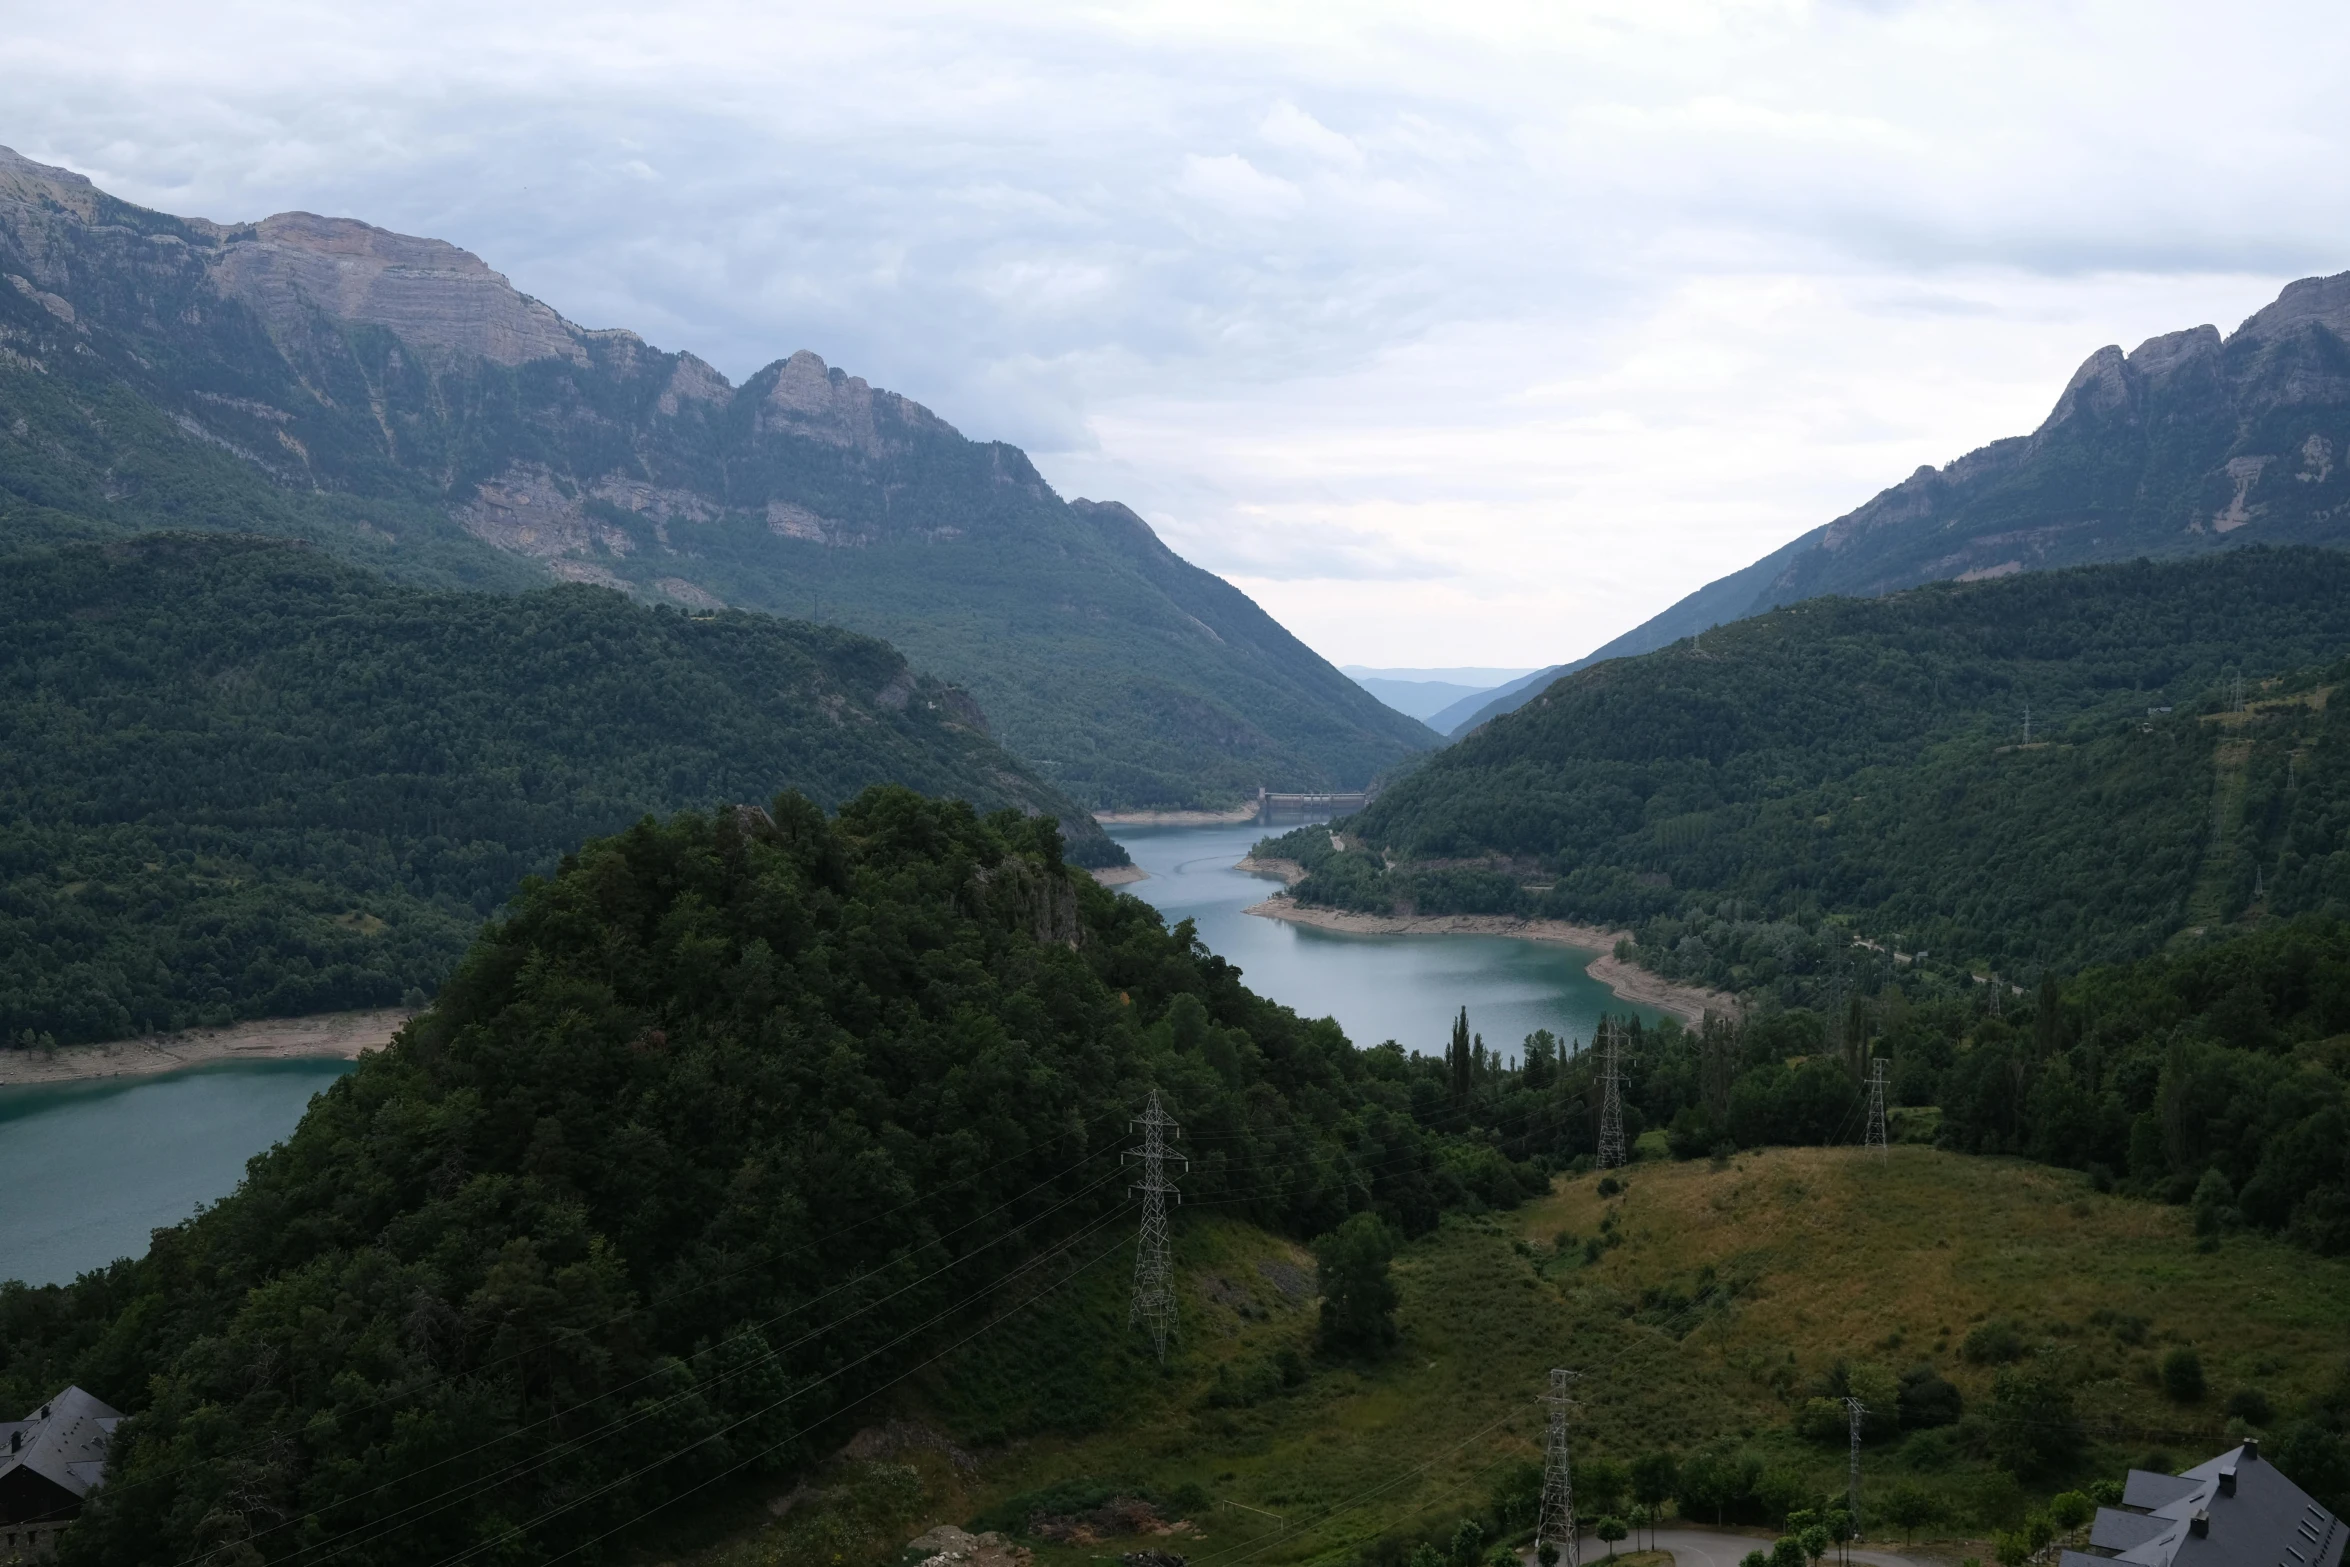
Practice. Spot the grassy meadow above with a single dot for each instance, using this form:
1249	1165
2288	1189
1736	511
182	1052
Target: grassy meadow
1715	1295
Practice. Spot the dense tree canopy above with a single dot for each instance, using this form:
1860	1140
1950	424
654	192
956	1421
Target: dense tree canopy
1865	763
732	1122
244	780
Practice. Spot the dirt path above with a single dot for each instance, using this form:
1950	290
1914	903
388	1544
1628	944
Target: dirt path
333	1034
1689	1003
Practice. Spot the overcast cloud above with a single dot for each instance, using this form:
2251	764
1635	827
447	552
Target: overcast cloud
1455	333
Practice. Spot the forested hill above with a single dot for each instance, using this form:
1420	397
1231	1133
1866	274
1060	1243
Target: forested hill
244	780
2188	444
735	1123
396	402
1861	762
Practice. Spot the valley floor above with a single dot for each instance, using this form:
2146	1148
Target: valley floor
1689	1003
346	1035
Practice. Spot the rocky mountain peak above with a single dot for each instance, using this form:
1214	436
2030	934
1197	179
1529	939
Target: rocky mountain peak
430	293
2325	300
809	399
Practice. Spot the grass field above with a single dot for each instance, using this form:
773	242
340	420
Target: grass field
1719	1290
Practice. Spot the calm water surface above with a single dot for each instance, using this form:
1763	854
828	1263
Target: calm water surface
1405	988
87	1169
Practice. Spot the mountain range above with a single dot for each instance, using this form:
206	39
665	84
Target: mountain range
400	404
2188	444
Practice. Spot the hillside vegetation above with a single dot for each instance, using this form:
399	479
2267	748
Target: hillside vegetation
243	780
393	400
736	1121
1858	769
1707	1305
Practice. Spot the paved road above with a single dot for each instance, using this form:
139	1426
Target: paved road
1723	1548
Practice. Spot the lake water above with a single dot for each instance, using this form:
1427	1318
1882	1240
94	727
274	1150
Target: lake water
1404	988
88	1169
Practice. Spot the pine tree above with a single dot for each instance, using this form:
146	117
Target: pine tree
2048	1018
1457	1057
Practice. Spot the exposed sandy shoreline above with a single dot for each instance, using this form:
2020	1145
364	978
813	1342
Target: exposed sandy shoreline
333	1034
1238	814
1689	1003
1119	875
1290	872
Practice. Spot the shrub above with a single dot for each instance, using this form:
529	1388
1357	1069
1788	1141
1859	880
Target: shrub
1821	1420
2250	1404
1993	1344
1358	1298
2070	1509
2182	1376
1909	1507
1928	1399
2032	1428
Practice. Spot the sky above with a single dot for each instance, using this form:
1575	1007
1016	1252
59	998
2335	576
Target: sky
1454	333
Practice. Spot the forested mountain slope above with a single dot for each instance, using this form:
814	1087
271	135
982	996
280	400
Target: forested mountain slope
736	1121
243	780
1861	762
2187	444
396	401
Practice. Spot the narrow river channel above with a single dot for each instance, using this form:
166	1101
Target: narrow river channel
87	1169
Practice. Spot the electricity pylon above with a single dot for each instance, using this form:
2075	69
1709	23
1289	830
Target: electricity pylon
1876	1135
1611	1103
1853	1410
1556	1525
1154	1274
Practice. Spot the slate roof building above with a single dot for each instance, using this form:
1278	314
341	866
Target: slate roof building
2234	1511
50	1461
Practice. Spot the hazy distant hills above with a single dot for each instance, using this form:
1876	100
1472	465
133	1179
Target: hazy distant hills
396	401
1428	694
2189	444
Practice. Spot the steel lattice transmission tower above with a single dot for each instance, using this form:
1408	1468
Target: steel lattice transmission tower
1556	1525
1876	1136
1611	1103
1853	1410
1154	1273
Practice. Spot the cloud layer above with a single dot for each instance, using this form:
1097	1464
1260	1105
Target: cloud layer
1458	334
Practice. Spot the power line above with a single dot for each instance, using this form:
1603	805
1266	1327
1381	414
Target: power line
1556	1525
1154	1281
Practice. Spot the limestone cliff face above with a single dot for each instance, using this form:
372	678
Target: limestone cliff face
363	377
431	295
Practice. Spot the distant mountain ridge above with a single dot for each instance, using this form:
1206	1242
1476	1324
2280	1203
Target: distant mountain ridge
397	401
2189	443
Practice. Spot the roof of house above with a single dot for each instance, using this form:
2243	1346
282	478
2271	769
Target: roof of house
63	1442
2234	1511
